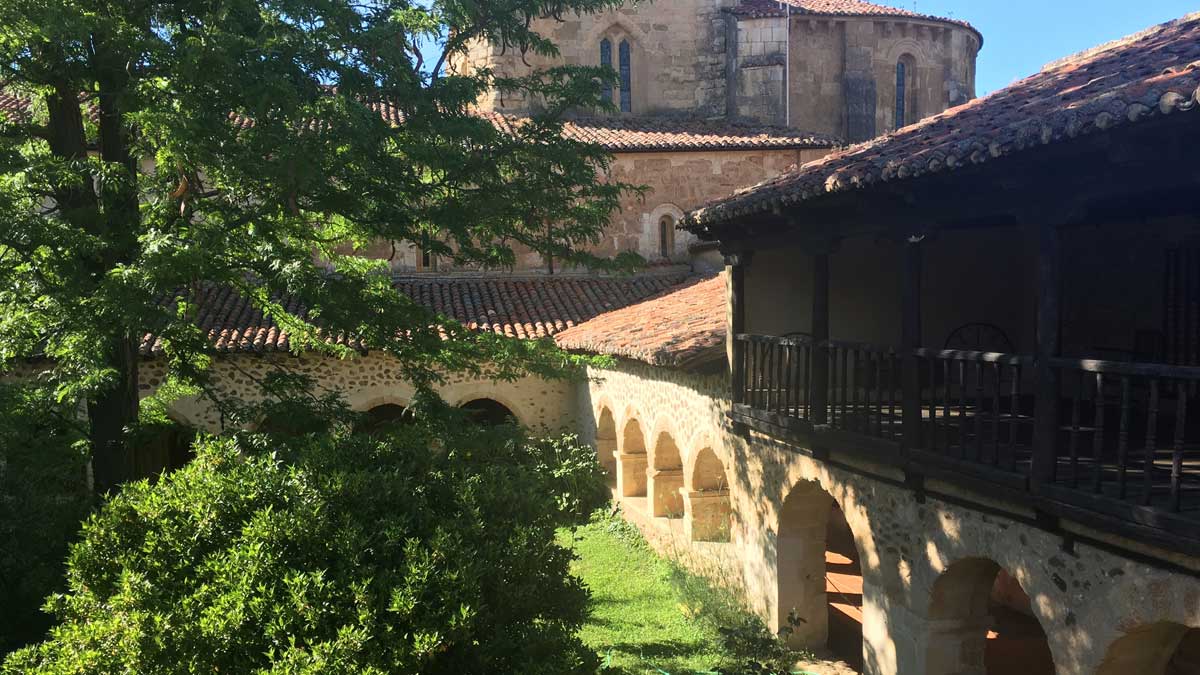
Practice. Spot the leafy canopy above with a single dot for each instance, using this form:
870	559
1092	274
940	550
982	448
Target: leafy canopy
167	144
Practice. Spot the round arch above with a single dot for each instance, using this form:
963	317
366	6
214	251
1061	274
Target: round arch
819	583
631	460
383	416
666	477
606	443
653	243
488	412
1162	648
463	393
984	623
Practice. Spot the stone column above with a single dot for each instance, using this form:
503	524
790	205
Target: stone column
956	646
663	486
631	474
707	515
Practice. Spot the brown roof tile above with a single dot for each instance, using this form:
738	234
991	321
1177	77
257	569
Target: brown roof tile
1153	73
682	327
520	307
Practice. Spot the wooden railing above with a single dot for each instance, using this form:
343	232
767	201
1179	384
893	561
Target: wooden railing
864	389
775	374
1126	432
975	407
1127	446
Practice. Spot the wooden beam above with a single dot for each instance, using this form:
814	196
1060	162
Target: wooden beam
818	394
1045	422
736	264
910	340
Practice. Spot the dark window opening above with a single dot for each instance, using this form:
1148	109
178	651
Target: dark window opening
626	86
489	413
901	94
666	236
383	417
606	61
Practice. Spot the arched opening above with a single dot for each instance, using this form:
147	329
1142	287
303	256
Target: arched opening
606	445
982	622
820	588
625	70
606	61
707	509
1162	648
666	479
631	461
666	236
905	74
382	418
488	413
159	448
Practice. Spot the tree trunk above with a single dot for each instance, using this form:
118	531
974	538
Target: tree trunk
110	414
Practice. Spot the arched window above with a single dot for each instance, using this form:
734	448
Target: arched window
625	71
606	61
666	236
489	413
905	71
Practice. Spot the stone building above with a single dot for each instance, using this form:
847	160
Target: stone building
935	405
845	68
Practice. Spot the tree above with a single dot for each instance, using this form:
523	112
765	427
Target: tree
156	145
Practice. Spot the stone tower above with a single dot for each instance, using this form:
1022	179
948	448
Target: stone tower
848	68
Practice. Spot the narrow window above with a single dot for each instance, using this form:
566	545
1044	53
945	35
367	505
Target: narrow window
666	236
901	95
428	261
606	61
626	87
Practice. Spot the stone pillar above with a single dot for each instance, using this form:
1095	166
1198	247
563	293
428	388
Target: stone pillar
631	474
956	646
606	450
707	515
664	486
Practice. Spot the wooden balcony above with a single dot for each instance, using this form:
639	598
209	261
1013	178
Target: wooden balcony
1111	445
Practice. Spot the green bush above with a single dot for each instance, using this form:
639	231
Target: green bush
329	553
43	498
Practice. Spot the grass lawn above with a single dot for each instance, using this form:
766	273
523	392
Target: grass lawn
640	622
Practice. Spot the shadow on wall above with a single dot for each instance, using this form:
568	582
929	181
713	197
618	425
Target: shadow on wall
1155	649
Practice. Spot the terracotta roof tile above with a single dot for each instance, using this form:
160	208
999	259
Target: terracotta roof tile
682	327
1153	73
530	307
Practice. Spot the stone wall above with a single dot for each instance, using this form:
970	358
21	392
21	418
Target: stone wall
843	72
365	381
925	563
677	182
677	50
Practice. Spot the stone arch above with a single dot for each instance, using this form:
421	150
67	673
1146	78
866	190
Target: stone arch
383	416
707	507
365	398
606	443
819	588
466	392
981	622
489	412
651	243
1162	648
905	108
631	460
665	477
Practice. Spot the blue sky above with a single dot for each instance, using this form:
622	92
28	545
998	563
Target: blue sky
1022	35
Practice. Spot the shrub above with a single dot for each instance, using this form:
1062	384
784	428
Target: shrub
330	553
43	498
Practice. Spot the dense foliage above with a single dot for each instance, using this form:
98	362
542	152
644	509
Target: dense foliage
332	553
43	497
258	144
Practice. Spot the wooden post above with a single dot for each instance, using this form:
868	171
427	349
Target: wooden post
1045	415
736	264
910	303
819	383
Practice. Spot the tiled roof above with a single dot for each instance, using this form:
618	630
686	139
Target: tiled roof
1151	74
618	134
648	134
682	327
530	307
758	8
